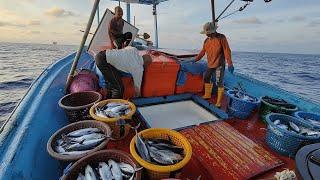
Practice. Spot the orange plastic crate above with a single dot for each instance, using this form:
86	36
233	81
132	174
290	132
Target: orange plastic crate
128	87
193	84
160	76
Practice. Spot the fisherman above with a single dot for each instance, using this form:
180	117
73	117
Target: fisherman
112	62
115	30
218	52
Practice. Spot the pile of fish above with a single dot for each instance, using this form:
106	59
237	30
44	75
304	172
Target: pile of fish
113	110
80	141
292	127
109	171
313	121
242	95
159	151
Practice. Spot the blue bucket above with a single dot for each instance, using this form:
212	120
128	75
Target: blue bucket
304	116
240	108
283	141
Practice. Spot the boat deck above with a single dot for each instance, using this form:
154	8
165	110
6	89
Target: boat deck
253	128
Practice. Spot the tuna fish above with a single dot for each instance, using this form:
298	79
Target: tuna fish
104	171
90	174
115	169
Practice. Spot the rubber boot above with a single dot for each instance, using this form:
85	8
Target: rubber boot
207	90
220	96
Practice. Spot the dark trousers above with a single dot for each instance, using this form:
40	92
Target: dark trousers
111	75
219	72
123	39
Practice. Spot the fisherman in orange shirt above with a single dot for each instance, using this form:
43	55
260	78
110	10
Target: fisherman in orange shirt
218	53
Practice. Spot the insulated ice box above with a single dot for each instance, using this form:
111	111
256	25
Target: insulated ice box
193	84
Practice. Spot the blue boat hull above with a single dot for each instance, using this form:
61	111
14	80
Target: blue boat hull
24	137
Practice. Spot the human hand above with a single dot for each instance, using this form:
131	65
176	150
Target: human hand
137	92
230	68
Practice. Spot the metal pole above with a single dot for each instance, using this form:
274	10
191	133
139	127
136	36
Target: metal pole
128	12
83	41
154	12
225	9
213	11
98	14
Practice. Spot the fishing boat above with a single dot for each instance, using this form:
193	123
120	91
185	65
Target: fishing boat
24	136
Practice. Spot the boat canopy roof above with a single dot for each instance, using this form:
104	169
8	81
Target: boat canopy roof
146	2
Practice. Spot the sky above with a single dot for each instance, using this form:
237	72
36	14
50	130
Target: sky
285	26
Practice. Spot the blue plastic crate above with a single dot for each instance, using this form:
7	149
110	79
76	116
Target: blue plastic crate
303	116
240	108
283	141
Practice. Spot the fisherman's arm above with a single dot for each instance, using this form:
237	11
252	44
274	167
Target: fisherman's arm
227	53
200	55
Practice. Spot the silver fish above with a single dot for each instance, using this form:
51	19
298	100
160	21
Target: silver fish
81	177
314	122
89	173
294	127
104	171
101	114
85	145
127	168
119	108
88	137
313	133
276	122
142	148
114	104
82	132
111	114
126	112
158	157
169	155
59	149
115	169
74	153
282	126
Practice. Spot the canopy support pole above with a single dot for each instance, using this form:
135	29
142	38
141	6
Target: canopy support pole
213	11
98	14
154	12
128	12
83	41
225	10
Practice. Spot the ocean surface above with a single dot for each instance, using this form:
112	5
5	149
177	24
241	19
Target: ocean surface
20	64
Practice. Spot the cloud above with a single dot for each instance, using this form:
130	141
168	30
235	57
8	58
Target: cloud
12	24
252	20
298	19
34	32
58	12
314	23
34	23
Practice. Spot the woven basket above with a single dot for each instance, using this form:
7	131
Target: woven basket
240	108
101	156
77	105
157	171
305	115
72	127
283	141
267	108
119	131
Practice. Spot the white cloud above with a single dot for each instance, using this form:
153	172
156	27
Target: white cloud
58	12
252	20
34	23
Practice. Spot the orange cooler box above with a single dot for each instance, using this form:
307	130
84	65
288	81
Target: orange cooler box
128	87
193	84
160	76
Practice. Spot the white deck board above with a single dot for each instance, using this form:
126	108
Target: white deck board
175	115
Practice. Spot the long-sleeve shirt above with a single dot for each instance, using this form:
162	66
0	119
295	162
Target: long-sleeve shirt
127	60
216	48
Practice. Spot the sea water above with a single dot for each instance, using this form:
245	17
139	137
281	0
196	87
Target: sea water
20	64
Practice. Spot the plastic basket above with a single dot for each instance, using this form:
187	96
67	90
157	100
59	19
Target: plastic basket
101	156
120	131
306	115
240	108
77	105
283	141
157	171
72	127
267	108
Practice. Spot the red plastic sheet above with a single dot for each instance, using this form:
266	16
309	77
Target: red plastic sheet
225	153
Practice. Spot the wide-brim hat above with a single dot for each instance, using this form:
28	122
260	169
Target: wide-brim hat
209	28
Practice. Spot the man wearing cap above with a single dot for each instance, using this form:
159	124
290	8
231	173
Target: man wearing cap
218	53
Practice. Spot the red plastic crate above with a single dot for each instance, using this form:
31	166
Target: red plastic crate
193	84
160	76
128	87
